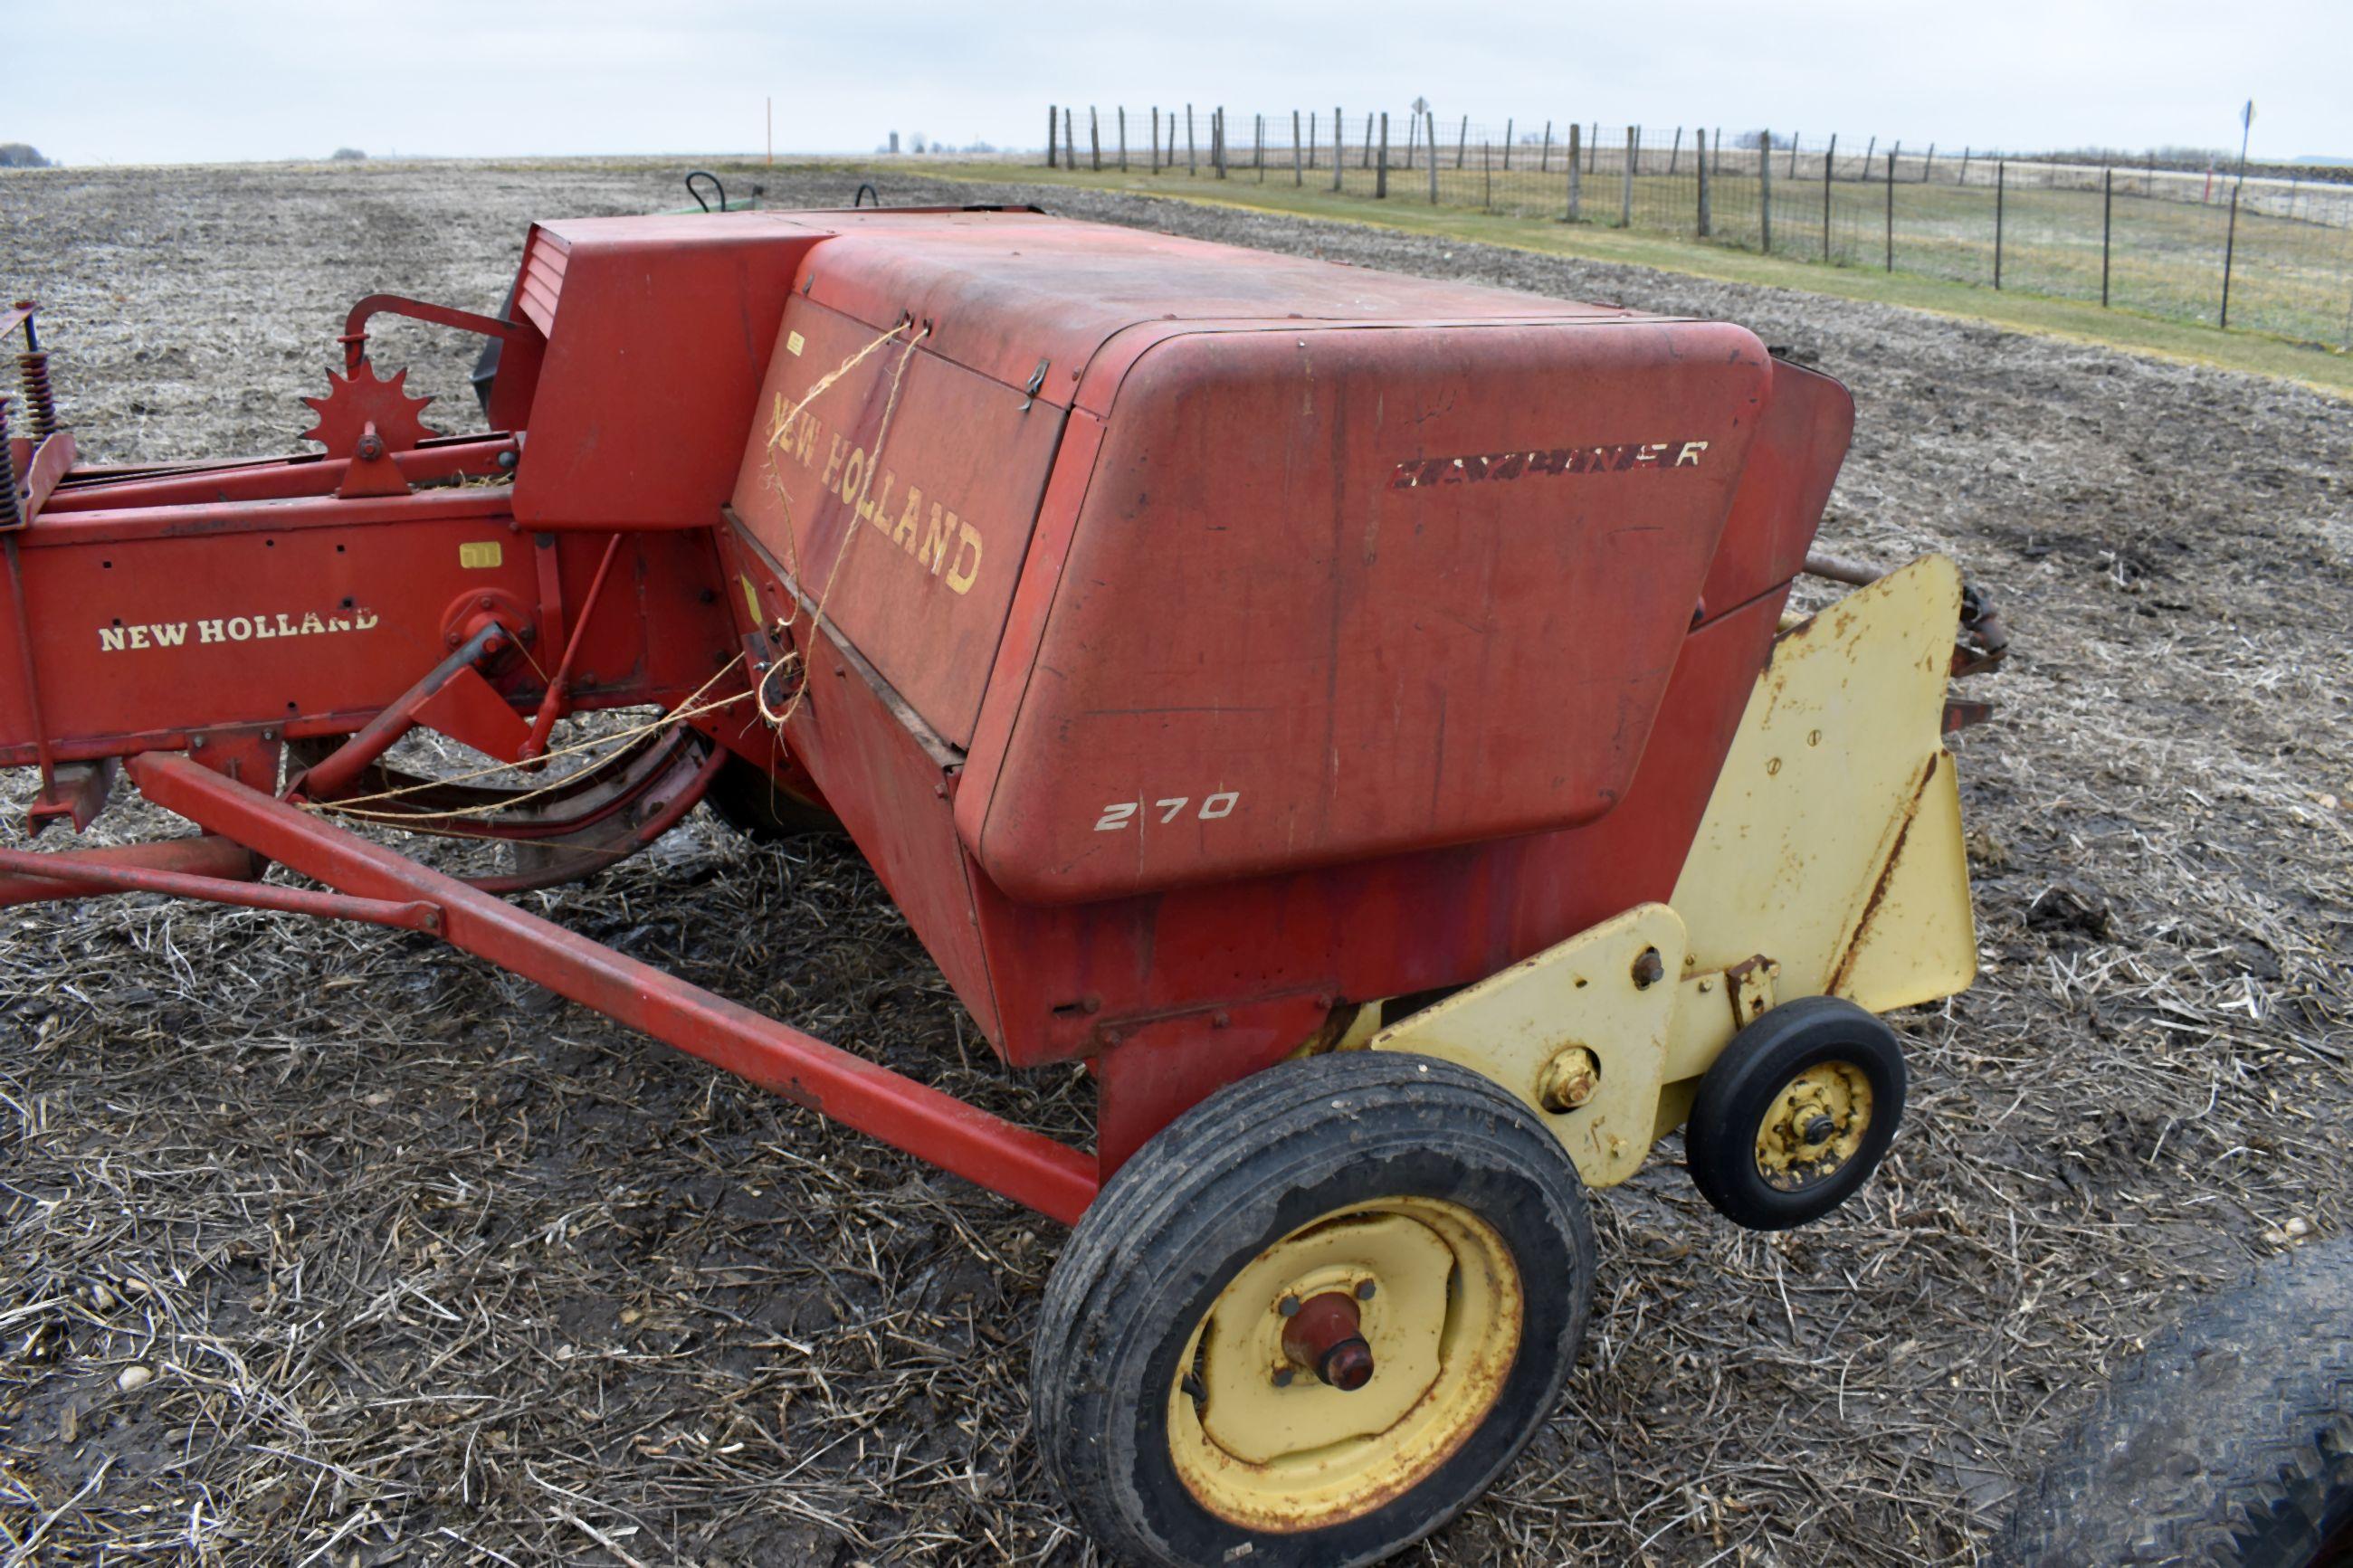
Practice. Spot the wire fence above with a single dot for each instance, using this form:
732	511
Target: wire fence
2272	255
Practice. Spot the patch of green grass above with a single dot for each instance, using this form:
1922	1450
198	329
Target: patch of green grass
1408	211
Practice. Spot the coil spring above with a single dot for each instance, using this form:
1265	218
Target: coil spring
40	403
12	513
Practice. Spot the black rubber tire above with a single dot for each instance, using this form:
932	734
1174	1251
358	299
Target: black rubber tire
758	807
1246	1167
2227	1442
1739	1089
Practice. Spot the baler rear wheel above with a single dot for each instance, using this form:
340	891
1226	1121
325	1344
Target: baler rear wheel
1311	1321
1796	1112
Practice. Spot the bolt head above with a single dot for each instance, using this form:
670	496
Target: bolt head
1283	1377
1570	1080
1365	1290
1649	969
1288	1306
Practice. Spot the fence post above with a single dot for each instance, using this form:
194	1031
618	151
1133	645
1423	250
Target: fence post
1218	140
1626	181
1123	138
2107	227
2000	192
1794	138
1699	160
1381	173
1765	188
1544	160
1829	158
1429	134
2230	246
1965	166
1890	205
1192	162
1508	123
1155	139
1257	147
1070	141
1339	146
1929	163
1462	140
1719	148
1298	170
1053	115
1575	170
1593	148
1676	153
1868	148
1094	138
1412	135
1486	175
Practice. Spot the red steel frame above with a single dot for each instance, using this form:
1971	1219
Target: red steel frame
1053	1178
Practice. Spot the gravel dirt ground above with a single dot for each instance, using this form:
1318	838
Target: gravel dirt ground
324	1245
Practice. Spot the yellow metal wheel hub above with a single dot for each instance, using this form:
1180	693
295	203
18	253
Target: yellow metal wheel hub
1815	1125
1262	1442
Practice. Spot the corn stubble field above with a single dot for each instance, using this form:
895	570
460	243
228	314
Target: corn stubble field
324	1245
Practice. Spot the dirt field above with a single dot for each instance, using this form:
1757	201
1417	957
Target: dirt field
421	1265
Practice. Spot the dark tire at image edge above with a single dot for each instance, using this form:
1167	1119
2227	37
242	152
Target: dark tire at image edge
2227	1442
1236	1179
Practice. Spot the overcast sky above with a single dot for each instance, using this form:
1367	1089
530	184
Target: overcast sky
144	82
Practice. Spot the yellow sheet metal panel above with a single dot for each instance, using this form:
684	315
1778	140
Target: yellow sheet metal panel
1837	750
1601	991
1917	938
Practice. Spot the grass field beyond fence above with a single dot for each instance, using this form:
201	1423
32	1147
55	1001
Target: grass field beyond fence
2142	239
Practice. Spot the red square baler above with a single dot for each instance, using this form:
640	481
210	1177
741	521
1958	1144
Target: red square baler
1355	715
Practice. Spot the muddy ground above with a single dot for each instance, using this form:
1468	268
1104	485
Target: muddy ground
422	1265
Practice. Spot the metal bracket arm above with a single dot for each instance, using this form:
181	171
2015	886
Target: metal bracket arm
354	338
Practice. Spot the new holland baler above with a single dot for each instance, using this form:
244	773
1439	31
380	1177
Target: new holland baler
1356	716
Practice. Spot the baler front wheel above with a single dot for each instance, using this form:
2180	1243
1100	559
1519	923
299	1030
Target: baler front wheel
1796	1113
1313	1320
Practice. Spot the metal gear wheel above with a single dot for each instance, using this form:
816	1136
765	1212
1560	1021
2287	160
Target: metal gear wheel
360	398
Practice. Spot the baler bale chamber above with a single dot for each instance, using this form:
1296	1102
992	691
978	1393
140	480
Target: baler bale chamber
1356	716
